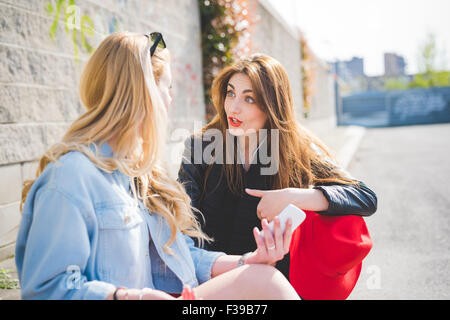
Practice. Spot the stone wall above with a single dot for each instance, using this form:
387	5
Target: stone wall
322	102
40	66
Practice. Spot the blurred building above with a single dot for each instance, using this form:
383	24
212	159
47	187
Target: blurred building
349	69
352	78
350	74
394	65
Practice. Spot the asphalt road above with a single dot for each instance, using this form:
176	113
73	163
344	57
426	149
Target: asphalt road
409	169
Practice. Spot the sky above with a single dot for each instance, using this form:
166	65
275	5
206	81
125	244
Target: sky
341	29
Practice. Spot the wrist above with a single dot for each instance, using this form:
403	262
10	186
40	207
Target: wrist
308	199
249	258
120	293
296	196
244	259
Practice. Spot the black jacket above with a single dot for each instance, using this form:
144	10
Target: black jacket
230	218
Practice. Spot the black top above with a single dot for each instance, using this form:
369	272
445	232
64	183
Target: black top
229	219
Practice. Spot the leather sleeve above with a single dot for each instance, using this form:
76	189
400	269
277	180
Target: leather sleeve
348	200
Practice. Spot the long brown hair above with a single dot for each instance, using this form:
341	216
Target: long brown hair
303	159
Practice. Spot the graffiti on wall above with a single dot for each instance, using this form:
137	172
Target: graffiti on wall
79	26
418	104
392	108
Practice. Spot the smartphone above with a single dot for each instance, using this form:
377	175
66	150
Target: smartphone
296	214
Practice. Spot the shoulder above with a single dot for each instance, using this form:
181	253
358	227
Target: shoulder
75	166
75	176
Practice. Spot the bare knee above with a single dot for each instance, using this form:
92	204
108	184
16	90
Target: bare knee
256	271
254	282
268	282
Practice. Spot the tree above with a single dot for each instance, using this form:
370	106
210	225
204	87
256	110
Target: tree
430	75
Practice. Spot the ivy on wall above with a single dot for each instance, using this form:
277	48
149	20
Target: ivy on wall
223	24
308	68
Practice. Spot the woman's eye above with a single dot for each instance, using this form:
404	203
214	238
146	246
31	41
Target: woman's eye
249	100
230	93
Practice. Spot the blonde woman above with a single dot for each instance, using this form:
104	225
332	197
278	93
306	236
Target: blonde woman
103	219
271	160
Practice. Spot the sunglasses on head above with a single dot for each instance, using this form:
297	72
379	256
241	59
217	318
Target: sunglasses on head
158	41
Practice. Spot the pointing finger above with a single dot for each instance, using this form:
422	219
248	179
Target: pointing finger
254	193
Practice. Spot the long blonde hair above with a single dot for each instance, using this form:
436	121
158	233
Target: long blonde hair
302	166
118	88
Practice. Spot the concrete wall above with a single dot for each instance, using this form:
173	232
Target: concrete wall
322	104
39	77
272	36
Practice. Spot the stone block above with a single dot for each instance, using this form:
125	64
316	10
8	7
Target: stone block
38	104
29	170
27	142
10	183
9	221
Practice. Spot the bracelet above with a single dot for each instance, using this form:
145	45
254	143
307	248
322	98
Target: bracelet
241	261
117	290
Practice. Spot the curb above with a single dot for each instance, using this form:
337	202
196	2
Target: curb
354	135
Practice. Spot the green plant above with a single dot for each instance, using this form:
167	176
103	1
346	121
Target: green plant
431	73
431	79
6	281
395	84
308	68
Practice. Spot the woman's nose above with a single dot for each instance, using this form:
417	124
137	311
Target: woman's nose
235	106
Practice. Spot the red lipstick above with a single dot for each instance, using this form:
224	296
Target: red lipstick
235	122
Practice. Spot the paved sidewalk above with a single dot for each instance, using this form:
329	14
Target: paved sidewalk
343	141
408	168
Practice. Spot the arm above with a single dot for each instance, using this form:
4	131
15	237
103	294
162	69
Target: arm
333	200
268	251
348	199
345	199
53	249
223	264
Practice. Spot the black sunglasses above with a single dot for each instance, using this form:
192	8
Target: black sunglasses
158	41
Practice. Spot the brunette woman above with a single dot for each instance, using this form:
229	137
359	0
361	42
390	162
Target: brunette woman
263	160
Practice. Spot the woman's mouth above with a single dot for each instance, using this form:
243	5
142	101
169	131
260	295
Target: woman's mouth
235	122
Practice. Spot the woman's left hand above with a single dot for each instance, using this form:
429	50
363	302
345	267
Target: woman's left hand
272	201
272	247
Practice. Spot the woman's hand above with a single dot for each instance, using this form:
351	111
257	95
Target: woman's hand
188	294
274	201
273	247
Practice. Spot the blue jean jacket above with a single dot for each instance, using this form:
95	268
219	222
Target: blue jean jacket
83	234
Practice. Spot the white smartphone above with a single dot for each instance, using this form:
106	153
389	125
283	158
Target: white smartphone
296	214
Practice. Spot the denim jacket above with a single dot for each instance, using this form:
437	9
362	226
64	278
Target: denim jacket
83	234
